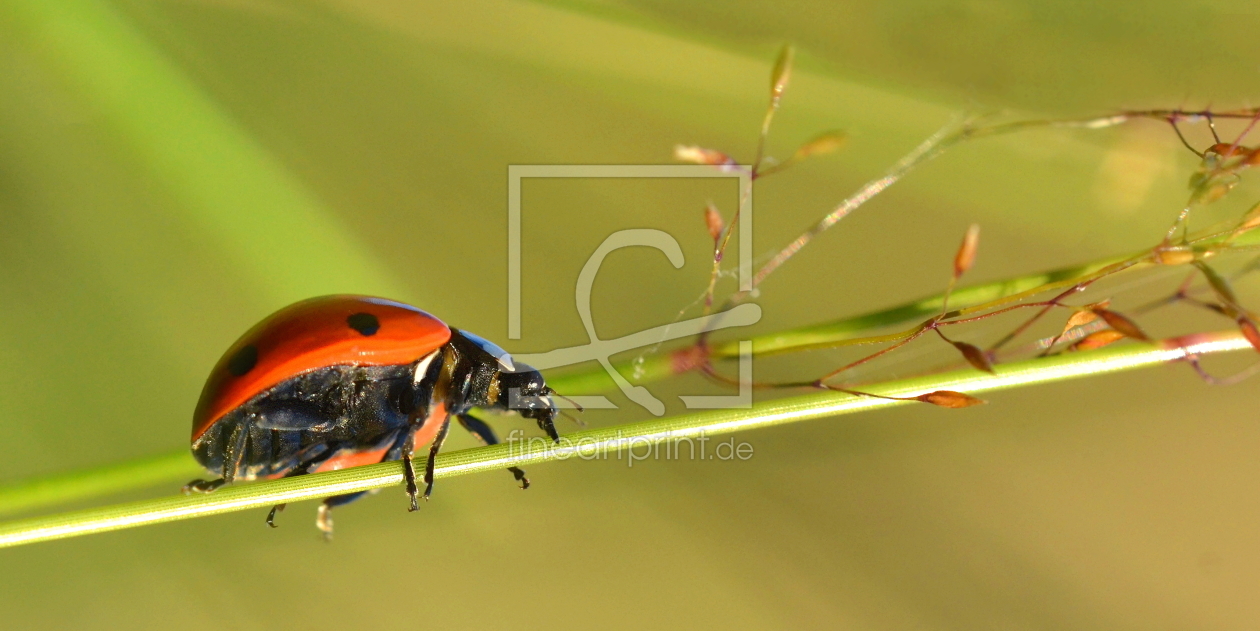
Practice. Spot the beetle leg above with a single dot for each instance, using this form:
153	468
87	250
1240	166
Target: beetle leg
235	451
300	462
203	486
237	442
324	521
404	444
271	516
409	470
434	448
314	458
485	435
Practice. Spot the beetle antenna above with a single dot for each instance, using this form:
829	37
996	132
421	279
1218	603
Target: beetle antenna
575	404
576	421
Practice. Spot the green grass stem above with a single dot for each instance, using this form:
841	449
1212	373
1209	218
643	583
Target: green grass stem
595	441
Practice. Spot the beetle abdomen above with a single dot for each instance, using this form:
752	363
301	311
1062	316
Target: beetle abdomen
307	418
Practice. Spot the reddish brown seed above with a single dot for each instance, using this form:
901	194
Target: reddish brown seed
950	399
700	155
967	251
1080	318
689	358
1098	340
1121	324
1227	150
825	142
1250	332
713	220
974	356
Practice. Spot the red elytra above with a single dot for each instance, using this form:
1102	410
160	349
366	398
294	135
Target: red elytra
313	334
341	381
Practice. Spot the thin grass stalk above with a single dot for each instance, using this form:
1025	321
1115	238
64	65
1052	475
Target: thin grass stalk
27	495
614	439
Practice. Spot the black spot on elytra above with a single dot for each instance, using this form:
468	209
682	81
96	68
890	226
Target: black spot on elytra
365	323
243	361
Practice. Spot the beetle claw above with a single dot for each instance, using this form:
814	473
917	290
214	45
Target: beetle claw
271	516
519	474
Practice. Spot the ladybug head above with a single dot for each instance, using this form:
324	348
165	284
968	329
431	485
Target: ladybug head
523	391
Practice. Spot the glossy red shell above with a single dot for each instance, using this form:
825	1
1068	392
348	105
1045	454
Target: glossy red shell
314	334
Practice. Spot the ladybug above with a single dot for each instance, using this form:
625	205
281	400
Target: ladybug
340	381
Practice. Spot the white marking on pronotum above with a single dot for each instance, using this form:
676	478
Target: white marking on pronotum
422	368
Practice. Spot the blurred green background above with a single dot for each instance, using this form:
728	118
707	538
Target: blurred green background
172	171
